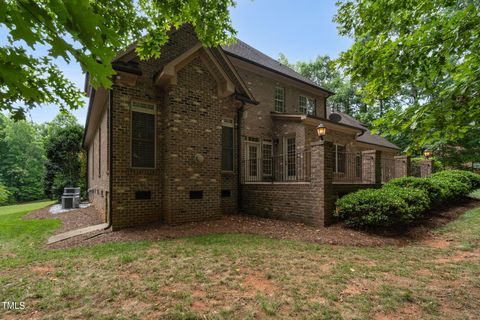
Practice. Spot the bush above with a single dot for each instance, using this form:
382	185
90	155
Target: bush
467	176
384	207
433	191
451	187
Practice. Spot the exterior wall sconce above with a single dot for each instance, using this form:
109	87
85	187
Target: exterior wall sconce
321	131
428	153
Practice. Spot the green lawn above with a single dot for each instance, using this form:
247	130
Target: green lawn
237	276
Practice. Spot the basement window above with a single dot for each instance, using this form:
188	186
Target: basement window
226	193
196	194
143	195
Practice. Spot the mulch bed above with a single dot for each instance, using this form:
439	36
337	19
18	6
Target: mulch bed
336	234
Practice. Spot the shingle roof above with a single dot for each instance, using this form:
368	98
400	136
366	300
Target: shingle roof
243	51
367	136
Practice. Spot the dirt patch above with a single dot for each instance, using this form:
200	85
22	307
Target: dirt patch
409	311
358	286
437	243
336	234
43	270
460	256
259	283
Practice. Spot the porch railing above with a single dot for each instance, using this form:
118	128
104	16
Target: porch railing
347	167
294	167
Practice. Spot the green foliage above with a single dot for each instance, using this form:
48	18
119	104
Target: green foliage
403	200
22	159
423	53
65	157
468	177
4	194
91	33
386	207
433	191
451	188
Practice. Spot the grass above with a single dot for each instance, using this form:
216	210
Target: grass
237	276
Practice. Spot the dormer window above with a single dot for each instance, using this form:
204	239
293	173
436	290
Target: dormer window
306	105
279	99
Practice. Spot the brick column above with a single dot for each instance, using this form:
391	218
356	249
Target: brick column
372	166
402	166
321	181
425	168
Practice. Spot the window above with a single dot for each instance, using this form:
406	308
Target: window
279	99
252	158
227	145
99	152
143	135
307	105
339	158
267	157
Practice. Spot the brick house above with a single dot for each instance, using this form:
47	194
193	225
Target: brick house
202	132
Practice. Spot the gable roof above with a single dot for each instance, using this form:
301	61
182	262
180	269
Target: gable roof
367	136
243	51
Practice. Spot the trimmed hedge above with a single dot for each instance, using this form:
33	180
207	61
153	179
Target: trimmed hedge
384	207
433	190
404	200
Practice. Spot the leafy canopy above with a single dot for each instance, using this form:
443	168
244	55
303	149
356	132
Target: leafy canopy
91	33
423	53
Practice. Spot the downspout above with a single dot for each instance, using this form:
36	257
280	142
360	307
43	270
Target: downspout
110	157
239	156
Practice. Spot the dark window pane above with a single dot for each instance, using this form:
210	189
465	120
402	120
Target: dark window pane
227	148
143	140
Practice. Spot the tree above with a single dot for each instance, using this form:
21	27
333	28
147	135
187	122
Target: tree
4	194
424	54
65	156
323	71
22	159
91	33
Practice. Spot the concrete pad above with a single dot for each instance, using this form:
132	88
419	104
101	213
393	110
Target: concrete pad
75	233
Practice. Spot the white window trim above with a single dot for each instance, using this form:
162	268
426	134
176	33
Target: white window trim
137	108
279	100
305	108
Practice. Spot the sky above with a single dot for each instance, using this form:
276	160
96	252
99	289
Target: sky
300	29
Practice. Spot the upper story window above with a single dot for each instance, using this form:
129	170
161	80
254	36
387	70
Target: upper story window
227	145
143	134
279	99
307	105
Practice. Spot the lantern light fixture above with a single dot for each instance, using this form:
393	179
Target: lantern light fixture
428	153
321	131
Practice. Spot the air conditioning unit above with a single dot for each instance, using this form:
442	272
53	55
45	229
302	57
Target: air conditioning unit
71	198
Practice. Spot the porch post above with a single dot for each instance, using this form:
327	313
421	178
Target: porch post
372	166
321	181
426	167
402	166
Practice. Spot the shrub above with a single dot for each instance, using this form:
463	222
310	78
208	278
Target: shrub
433	191
467	176
384	207
451	187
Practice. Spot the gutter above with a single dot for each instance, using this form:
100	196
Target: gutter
110	157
